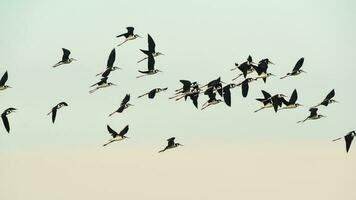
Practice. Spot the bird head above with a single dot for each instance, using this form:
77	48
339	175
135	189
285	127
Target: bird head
157	70
178	144
302	71
159	53
321	116
128	105
115	68
162	89
270	74
297	104
73	59
7	86
110	84
137	36
333	101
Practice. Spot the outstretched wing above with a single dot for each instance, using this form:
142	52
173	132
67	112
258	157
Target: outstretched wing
111	59
152	94
54	113
294	97
124	131
171	141
150	62
151	44
266	94
244	87
348	140
66	54
186	85
298	65
330	95
227	95
3	79
112	132
6	122
125	100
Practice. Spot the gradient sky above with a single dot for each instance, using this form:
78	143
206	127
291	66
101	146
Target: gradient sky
201	41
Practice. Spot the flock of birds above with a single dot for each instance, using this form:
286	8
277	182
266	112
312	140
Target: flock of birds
191	89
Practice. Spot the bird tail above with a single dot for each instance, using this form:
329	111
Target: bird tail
112	114
141	95
284	77
106	143
122	42
237	77
259	109
142	59
337	139
57	64
93	90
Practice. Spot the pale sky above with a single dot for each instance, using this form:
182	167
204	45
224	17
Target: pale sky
201	41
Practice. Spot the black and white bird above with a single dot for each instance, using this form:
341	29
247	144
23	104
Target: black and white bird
296	70
151	49
171	144
292	103
109	65
4	118
313	115
65	58
266	100
116	136
245	68
261	70
227	93
55	108
151	94
129	35
124	105
348	139
277	101
151	67
3	80
103	83
187	89
212	98
328	99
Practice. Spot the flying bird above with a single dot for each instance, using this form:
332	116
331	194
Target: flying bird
151	67
292	101
151	94
212	98
4	118
129	35
328	99
124	105
151	49
55	108
109	65
103	83
187	89
116	136
3	81
296	70
245	68
261	69
313	115
348	139
266	100
171	144
65	58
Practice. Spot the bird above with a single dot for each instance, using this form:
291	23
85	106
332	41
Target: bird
171	144
55	108
328	99
216	84
129	35
65	58
117	136
151	67
266	100
4	118
296	70
3	81
151	49
292	101
261	70
313	115
245	67
103	83
212	98
348	139
277	101
227	93
187	89
245	86
109	65
151	94
124	105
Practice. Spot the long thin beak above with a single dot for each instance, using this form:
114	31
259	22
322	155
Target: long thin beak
270	62
160	71
113	84
336	101
273	75
73	59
